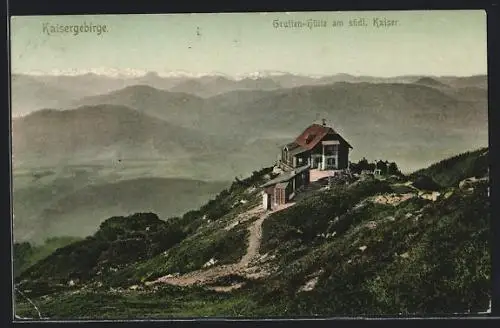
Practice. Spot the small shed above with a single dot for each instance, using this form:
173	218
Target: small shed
282	192
283	188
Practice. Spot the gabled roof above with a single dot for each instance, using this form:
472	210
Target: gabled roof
282	185
292	145
286	176
314	134
294	148
298	150
341	138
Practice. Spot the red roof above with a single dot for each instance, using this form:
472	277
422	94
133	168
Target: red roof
314	134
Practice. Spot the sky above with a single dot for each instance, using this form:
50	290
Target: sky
421	43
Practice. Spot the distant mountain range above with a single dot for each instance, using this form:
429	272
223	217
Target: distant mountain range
143	121
273	108
34	92
442	118
103	131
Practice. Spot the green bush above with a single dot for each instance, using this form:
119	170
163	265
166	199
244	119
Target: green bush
449	172
425	182
192	254
119	241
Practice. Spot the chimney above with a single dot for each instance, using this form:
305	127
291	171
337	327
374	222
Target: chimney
324	122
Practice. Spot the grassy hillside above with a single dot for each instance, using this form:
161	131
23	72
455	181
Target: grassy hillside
203	232
346	250
417	257
449	172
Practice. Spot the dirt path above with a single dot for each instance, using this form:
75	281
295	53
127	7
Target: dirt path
204	276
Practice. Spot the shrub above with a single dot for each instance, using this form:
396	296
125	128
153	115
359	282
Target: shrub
449	172
426	183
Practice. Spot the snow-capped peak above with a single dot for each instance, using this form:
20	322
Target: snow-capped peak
259	74
165	73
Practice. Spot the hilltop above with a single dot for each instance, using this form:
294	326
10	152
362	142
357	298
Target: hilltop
375	246
149	100
103	131
431	82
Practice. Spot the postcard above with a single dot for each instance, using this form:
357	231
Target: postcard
250	165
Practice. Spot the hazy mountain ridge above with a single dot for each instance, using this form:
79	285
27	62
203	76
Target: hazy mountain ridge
149	100
28	94
235	118
211	86
90	132
430	82
72	87
339	98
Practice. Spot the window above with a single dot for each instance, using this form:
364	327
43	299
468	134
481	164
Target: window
331	149
330	162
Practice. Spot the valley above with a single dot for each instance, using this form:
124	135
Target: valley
72	200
